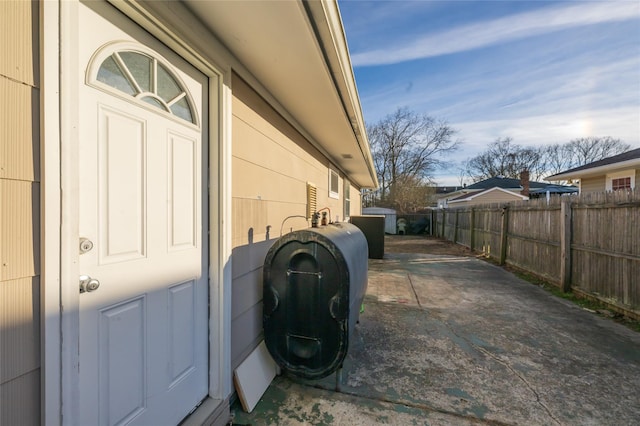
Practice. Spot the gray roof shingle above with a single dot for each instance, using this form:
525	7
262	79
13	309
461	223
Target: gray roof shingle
625	156
504	183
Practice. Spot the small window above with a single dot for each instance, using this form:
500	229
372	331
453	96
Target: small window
622	180
143	77
334	183
347	200
621	183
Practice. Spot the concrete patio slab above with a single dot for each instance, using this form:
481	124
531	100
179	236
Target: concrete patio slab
455	340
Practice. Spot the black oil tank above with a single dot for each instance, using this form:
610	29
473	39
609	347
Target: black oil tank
314	283
372	226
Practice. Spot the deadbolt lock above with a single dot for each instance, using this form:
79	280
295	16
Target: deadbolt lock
85	245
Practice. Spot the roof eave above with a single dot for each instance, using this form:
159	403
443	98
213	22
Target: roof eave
327	13
295	55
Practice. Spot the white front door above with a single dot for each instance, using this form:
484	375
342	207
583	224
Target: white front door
143	354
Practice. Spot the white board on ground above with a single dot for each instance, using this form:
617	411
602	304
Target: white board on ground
253	376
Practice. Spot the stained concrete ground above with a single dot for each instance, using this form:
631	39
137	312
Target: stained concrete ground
448	339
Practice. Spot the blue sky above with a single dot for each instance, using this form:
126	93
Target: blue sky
540	72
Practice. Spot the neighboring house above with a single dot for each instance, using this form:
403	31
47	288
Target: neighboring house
442	190
486	196
620	171
500	189
150	153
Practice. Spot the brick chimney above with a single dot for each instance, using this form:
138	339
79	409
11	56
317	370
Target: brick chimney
524	182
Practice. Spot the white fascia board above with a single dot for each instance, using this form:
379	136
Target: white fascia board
330	31
346	68
495	188
456	194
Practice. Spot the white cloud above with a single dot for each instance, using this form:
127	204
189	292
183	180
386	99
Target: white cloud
500	30
557	88
544	129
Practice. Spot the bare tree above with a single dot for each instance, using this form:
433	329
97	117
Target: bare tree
411	194
463	173
557	157
581	151
588	150
408	147
505	158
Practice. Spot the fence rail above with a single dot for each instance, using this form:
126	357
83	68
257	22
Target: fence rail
589	243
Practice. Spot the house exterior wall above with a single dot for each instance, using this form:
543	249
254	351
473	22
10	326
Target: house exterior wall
491	197
271	165
602	182
592	184
19	214
443	200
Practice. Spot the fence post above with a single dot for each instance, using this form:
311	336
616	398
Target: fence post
503	234
472	232
455	227
443	222
432	222
565	246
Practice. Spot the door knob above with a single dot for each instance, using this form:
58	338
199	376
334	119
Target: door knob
88	284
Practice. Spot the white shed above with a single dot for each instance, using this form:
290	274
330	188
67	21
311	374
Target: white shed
389	217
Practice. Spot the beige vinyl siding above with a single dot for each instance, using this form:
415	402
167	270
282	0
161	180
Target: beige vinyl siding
19	214
637	178
19	41
272	164
593	184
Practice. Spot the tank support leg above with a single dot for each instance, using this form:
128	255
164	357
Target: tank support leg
339	379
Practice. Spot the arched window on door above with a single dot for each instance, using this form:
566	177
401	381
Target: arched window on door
144	77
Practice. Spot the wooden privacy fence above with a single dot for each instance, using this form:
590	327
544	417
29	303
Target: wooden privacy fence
589	244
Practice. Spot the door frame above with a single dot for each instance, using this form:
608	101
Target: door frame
60	203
